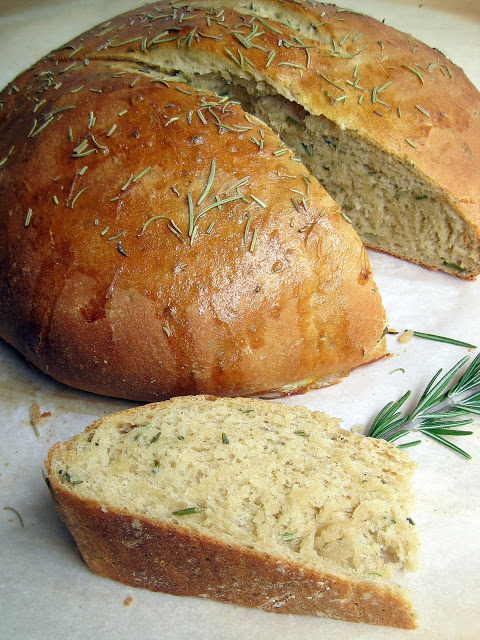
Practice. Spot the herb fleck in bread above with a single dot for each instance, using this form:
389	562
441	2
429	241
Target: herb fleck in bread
245	501
388	125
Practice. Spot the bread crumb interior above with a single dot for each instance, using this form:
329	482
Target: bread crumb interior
281	481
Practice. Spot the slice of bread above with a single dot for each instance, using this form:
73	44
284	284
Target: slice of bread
245	501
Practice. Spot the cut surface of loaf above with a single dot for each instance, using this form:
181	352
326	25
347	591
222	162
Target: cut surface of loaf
245	501
388	125
160	252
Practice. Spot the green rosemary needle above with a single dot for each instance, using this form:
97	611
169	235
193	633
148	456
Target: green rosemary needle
442	408
28	217
155	437
69	478
141	174
431	336
187	512
209	183
20	519
287	536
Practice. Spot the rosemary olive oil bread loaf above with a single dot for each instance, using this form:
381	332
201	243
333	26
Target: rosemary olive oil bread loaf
156	240
388	125
148	248
245	501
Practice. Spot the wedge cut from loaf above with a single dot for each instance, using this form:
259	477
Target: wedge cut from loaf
388	125
245	501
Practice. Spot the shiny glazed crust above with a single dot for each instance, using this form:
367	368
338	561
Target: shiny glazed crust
417	107
112	277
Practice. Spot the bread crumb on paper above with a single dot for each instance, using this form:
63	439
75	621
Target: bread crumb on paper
36	415
406	336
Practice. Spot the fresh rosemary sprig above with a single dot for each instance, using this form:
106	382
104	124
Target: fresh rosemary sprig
439	412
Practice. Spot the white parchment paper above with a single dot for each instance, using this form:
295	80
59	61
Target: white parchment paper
45	589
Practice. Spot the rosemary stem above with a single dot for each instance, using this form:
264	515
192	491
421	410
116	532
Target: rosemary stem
458	398
446	404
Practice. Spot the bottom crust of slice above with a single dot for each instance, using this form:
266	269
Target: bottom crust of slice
145	553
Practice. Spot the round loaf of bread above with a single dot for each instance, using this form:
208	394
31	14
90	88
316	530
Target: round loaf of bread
156	240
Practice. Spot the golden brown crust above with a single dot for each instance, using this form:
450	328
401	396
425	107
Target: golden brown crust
109	285
401	95
146	553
